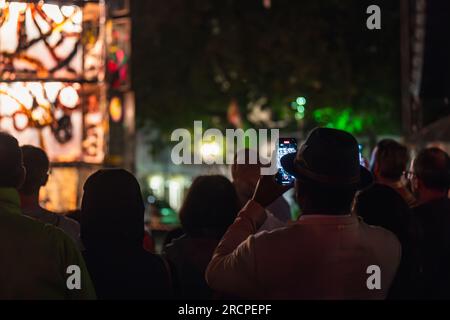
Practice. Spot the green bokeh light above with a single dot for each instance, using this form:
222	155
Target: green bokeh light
301	101
342	119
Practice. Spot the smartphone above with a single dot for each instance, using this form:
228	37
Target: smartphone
285	146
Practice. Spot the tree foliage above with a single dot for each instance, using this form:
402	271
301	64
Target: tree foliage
191	58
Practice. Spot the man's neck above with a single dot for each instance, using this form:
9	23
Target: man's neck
29	201
428	195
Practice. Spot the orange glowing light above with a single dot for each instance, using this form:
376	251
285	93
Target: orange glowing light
115	109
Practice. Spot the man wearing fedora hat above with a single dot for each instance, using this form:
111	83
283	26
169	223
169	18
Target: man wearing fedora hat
328	253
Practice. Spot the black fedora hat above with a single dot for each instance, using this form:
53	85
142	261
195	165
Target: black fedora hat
329	157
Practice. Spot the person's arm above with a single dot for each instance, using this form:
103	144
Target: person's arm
233	269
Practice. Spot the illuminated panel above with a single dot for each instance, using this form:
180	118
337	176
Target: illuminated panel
44	41
45	114
39	40
93	146
60	193
49	115
50	58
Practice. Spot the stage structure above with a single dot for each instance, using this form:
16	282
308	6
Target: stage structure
64	86
412	42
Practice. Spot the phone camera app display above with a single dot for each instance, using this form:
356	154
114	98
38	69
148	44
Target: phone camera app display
285	146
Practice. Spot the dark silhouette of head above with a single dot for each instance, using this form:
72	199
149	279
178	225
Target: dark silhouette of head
382	206
328	172
37	165
210	207
431	168
389	160
12	171
112	210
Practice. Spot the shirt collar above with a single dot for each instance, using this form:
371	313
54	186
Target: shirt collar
328	219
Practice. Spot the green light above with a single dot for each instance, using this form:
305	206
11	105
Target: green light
343	119
299	116
301	109
301	101
166	211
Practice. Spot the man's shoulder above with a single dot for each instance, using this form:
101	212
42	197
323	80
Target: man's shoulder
67	224
380	237
378	233
27	227
22	222
280	233
373	234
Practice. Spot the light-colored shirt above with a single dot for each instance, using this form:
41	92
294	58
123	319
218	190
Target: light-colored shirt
317	257
35	257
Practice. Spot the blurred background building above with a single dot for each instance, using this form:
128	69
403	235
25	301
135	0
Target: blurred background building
65	87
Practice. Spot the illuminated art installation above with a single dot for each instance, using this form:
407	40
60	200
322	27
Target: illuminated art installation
53	87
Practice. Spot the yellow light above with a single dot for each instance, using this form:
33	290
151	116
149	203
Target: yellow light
156	182
210	150
41	116
69	97
115	109
175	194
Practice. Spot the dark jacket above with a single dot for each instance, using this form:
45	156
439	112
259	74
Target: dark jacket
112	231
127	272
434	223
188	259
381	205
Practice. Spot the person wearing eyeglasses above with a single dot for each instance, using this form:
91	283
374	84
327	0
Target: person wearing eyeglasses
430	181
388	163
37	166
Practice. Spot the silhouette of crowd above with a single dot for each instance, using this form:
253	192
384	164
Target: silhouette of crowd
381	232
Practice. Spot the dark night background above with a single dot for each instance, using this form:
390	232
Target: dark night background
191	58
